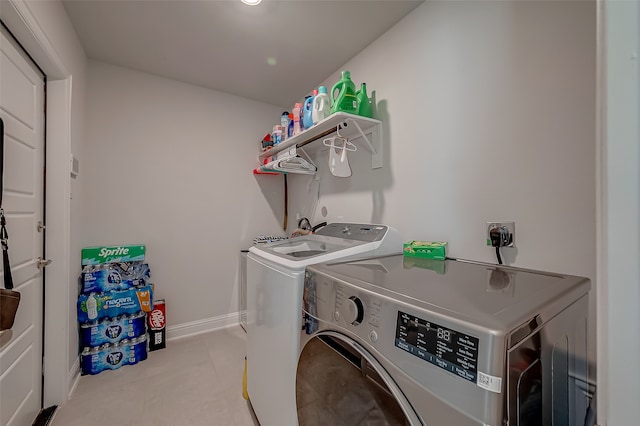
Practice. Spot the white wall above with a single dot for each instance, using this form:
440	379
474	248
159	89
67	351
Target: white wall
169	165
488	111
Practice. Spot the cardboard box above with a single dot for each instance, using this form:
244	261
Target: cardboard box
157	323
426	249
109	254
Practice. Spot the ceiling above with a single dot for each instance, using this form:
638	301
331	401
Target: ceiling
274	52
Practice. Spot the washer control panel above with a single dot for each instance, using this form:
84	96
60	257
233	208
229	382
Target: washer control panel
356	309
352	310
446	348
354	231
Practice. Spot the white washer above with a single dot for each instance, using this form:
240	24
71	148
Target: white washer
275	281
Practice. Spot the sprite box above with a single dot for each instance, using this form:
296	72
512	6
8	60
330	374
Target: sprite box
111	254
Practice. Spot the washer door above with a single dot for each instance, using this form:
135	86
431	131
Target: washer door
339	383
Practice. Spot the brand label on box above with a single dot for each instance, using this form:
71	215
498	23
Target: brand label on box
156	320
108	254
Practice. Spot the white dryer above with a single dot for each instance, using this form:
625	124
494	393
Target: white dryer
275	281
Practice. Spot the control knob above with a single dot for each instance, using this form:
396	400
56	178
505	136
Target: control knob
352	310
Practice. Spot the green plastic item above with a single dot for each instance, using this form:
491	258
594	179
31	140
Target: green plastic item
345	100
426	249
364	103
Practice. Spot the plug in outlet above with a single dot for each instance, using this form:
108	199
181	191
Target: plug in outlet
501	234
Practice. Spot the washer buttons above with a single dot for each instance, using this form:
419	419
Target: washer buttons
373	336
336	316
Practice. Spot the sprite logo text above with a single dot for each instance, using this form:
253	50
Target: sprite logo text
118	251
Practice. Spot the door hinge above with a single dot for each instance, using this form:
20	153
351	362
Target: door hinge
43	263
40	226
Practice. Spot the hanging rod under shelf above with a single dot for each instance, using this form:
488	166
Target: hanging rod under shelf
315	138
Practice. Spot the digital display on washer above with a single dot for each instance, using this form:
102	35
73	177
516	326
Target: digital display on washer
448	349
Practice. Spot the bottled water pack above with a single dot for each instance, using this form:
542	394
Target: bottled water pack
112	330
114	276
96	306
113	356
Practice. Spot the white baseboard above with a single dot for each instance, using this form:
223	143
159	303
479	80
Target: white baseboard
73	377
180	331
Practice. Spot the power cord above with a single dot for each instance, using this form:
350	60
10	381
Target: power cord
499	237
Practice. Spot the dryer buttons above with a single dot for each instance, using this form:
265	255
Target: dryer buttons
373	336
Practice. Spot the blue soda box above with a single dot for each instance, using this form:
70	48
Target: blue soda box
113	356
96	306
112	330
114	276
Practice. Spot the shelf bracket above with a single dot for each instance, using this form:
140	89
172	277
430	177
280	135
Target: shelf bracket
350	129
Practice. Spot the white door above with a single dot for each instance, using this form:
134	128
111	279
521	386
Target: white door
22	110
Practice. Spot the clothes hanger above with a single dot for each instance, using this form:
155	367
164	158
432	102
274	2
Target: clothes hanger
346	145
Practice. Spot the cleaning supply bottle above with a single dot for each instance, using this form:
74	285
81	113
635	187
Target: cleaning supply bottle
302	126
343	95
364	104
296	119
290	129
307	120
276	135
321	105
284	122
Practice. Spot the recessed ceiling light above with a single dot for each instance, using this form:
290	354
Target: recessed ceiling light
251	2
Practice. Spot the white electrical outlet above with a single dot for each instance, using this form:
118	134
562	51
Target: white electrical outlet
508	229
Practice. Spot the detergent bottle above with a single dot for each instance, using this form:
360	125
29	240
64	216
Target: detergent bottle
290	129
284	122
296	119
343	95
321	105
364	103
307	120
302	105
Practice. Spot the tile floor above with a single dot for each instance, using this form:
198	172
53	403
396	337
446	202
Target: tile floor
194	381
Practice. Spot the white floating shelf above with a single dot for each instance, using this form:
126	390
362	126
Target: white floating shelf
362	131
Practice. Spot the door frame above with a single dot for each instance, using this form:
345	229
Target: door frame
58	380
618	210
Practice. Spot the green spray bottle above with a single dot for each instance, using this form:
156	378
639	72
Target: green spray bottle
364	103
345	100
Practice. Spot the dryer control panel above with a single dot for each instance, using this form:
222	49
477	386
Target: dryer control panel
448	349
